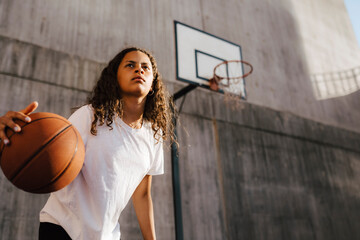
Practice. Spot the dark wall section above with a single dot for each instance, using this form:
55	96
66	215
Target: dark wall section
267	175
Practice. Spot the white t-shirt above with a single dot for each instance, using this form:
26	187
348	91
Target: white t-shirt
115	163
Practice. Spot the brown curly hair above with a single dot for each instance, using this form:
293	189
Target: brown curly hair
107	102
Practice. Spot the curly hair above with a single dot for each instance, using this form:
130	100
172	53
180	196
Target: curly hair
106	99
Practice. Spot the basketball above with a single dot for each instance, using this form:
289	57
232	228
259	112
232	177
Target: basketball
45	156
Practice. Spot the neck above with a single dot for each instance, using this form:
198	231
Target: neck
133	111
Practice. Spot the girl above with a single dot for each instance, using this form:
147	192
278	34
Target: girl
123	128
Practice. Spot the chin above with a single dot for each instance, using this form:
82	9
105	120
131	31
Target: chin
139	94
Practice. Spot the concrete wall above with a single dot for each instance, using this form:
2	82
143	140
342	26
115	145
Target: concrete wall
263	174
286	41
281	167
327	36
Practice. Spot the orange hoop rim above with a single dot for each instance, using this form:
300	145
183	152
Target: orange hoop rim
218	78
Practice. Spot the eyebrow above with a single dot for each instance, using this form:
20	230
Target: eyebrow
130	61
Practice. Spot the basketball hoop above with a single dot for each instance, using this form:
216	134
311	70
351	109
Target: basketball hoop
226	76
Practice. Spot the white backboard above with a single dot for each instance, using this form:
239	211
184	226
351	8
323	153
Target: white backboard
198	52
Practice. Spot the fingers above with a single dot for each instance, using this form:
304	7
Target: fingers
4	138
30	108
8	120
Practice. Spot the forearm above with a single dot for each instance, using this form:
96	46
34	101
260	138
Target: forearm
144	211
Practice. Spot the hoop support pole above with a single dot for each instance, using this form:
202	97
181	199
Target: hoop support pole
184	91
179	233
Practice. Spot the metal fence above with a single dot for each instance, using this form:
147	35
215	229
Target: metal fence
336	84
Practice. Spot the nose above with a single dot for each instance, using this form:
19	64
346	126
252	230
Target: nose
140	70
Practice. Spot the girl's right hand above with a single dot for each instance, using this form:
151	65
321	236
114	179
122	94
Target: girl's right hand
7	120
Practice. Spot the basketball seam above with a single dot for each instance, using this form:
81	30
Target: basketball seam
62	173
37	152
27	124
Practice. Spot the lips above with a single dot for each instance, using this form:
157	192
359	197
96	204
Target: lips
138	78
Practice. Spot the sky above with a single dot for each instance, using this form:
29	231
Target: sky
353	7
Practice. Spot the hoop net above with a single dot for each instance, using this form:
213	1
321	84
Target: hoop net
229	77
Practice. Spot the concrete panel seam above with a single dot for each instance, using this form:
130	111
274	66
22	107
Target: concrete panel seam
41	81
46	48
302	138
220	172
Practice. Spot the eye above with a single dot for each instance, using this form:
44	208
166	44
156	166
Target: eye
130	65
146	67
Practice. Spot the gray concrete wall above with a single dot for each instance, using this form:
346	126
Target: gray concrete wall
256	173
286	41
327	35
281	167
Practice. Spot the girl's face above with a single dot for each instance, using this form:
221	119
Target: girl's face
135	74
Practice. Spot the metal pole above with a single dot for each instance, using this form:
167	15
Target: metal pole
176	190
175	170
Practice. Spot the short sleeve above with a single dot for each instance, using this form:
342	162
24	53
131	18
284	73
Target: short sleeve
81	119
157	166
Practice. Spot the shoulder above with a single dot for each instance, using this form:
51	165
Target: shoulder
157	136
85	111
82	118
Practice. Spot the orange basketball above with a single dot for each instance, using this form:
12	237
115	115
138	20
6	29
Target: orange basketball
45	156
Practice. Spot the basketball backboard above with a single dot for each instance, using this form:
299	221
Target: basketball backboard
197	54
